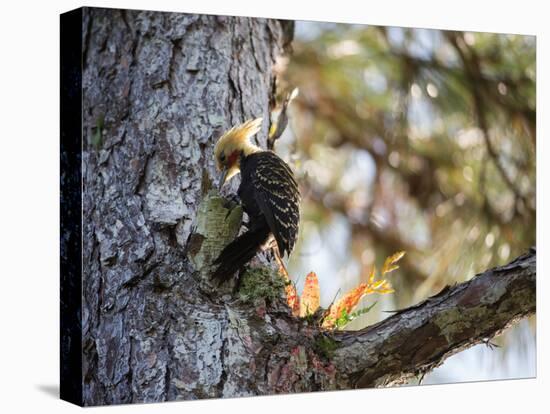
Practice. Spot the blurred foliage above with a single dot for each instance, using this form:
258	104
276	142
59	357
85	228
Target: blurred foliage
415	140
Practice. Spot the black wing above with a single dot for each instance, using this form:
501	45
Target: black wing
278	197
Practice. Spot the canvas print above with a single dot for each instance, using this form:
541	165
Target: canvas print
253	206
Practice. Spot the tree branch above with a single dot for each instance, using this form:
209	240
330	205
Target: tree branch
473	71
417	339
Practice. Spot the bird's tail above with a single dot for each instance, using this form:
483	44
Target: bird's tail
239	252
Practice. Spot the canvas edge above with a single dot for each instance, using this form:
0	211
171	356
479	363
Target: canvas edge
71	207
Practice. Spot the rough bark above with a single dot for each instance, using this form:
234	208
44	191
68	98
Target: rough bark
158	88
418	339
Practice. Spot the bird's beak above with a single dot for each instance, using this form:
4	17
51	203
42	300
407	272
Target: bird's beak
223	177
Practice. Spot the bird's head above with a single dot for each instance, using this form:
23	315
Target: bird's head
234	144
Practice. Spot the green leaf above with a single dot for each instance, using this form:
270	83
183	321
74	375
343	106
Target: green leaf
346	318
362	311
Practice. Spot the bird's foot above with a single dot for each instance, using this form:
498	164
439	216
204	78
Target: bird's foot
230	202
489	344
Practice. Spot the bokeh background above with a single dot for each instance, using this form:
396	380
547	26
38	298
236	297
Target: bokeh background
416	140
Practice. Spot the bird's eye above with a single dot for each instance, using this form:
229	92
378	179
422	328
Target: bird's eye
222	157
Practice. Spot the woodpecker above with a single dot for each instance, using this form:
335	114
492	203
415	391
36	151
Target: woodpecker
269	195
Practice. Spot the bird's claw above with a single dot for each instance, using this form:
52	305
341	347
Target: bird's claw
489	344
230	202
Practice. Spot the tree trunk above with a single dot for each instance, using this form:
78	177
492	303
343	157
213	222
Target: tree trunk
158	89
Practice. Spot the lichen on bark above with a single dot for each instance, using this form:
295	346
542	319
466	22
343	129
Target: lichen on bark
216	224
261	284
